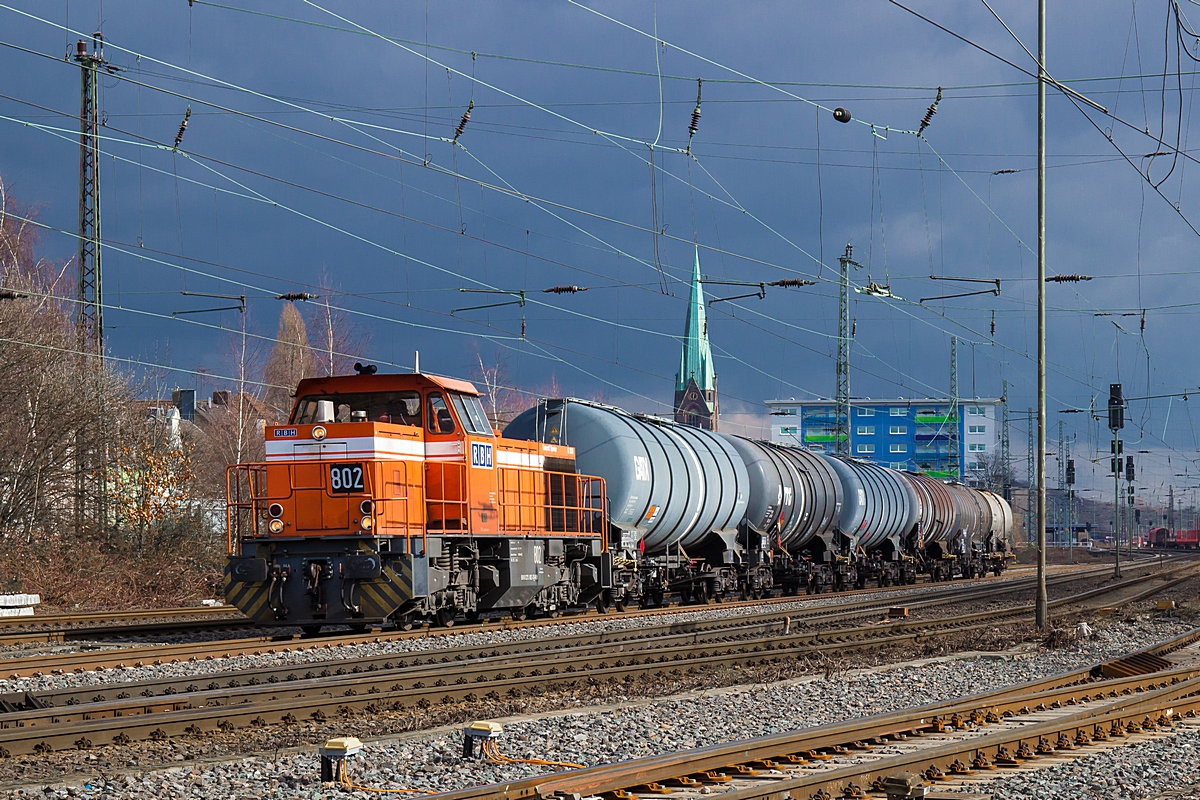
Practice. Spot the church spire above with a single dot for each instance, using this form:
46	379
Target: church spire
696	360
696	381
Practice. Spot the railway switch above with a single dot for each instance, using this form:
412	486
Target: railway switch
479	731
334	754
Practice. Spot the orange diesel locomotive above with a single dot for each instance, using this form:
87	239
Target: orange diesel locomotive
391	497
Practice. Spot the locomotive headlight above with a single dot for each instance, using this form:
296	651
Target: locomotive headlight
319	432
367	523
275	510
275	526
366	507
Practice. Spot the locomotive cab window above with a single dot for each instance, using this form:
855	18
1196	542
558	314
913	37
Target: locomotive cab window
440	420
470	411
398	408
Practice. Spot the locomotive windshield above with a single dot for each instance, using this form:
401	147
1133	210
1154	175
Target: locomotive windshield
399	408
470	411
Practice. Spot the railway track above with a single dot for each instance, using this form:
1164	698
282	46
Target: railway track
119	658
101	625
935	744
119	715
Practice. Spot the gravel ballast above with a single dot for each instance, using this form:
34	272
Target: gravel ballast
625	729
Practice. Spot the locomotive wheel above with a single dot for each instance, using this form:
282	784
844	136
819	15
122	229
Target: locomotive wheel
357	627
445	617
310	630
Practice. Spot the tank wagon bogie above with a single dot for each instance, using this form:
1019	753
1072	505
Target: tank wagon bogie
389	497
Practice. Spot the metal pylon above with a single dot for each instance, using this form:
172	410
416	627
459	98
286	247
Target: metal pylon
1031	476
1005	449
841	432
954	462
90	314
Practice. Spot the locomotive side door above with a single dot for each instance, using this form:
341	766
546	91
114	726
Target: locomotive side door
482	463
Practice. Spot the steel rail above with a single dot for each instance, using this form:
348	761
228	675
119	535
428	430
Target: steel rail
92	617
723	762
129	719
688	633
16	667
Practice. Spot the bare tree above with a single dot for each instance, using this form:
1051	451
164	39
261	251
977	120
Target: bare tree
995	473
290	361
500	400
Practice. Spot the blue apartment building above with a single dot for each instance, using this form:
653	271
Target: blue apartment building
904	434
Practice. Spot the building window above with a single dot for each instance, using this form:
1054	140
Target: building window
866	430
975	466
975	411
976	429
866	448
897	430
786	412
788	430
898	448
866	412
898	465
898	412
977	448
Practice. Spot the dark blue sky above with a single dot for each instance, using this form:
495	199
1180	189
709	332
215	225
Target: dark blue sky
322	173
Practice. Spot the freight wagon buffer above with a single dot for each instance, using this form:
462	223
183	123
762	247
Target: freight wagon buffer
390	496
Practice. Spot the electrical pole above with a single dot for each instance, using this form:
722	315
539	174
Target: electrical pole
90	460
1005	448
1042	607
1116	421
1131	518
954	462
1031	482
90	314
1061	459
1171	509
841	433
1070	508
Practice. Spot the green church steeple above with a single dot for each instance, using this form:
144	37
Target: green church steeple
696	359
696	381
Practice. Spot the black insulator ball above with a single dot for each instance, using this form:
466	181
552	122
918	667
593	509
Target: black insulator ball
841	114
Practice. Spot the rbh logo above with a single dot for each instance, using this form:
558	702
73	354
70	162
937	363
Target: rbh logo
481	455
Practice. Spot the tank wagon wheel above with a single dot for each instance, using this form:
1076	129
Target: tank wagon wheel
310	630
619	605
603	601
809	587
554	613
445	617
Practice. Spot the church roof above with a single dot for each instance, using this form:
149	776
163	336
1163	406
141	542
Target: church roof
696	360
